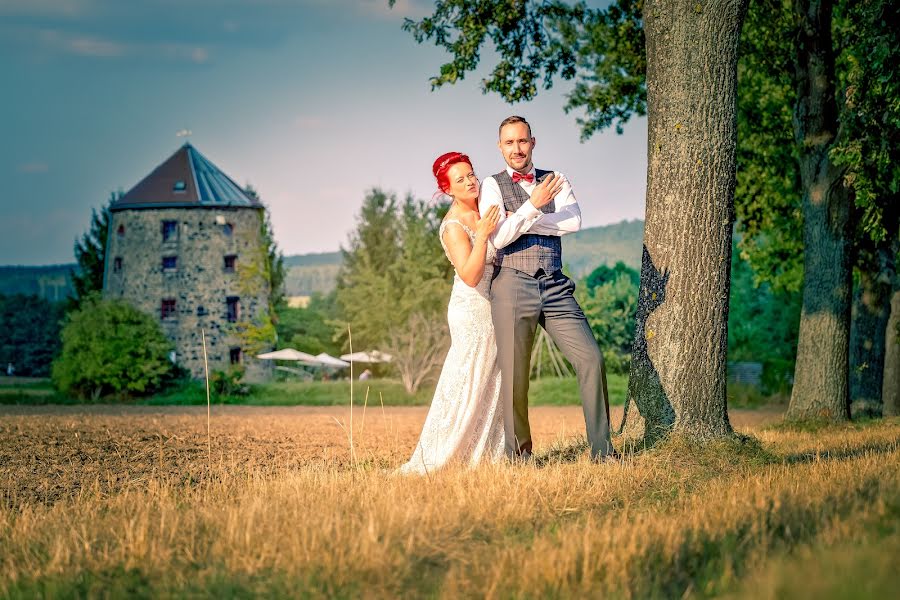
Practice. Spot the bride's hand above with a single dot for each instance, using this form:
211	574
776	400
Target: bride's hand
487	223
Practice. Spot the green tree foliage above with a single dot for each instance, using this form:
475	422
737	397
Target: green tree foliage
309	329
392	289
603	50
393	267
109	348
762	325
363	287
762	321
868	144
768	195
274	268
769	192
90	254
260	270
29	338
608	296
604	274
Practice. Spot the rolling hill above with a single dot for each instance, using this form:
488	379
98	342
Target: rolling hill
53	282
310	273
582	253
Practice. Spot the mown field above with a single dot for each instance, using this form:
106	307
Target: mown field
545	392
115	501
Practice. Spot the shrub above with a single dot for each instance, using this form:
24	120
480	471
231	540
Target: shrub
229	383
109	348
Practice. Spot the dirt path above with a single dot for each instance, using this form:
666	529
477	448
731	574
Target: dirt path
51	452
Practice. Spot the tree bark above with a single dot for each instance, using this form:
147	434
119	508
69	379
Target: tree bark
678	372
871	309
890	391
821	388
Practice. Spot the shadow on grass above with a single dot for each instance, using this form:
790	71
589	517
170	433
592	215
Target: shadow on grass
842	453
680	451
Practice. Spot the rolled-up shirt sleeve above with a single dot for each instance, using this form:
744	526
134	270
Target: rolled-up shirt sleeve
509	228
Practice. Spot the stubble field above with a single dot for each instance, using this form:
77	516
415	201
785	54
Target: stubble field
103	501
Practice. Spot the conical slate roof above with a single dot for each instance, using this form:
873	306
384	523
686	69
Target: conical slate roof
185	179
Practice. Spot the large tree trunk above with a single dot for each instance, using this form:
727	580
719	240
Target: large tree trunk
821	388
890	391
678	372
871	309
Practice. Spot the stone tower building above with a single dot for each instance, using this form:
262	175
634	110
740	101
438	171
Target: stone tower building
185	245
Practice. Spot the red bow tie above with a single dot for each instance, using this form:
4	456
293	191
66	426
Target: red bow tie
517	177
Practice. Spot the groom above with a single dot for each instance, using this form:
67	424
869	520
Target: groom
529	289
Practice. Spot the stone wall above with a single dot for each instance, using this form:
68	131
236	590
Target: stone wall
199	284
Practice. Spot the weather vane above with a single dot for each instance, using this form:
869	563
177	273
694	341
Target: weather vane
185	133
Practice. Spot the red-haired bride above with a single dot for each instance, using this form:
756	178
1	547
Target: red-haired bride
465	422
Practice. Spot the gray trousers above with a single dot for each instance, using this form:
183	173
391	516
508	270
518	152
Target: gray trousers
519	303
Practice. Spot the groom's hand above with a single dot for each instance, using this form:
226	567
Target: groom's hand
545	191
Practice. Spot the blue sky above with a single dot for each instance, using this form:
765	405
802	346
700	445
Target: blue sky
313	102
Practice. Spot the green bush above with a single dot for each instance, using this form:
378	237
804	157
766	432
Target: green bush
229	383
109	348
617	362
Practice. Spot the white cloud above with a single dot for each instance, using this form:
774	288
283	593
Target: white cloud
87	46
95	47
199	55
33	167
308	122
44	8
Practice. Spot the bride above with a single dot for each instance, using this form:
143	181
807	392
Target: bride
465	422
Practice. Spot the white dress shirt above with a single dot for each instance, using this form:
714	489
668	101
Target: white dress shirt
528	219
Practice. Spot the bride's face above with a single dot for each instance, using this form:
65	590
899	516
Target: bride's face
463	183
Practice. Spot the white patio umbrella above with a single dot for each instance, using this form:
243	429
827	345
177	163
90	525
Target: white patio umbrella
372	356
291	354
329	361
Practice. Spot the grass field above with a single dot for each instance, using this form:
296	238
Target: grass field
115	501
545	392
548	391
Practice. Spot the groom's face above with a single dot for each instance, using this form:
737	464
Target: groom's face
516	145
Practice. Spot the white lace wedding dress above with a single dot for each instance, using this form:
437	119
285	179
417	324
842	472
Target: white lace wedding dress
465	422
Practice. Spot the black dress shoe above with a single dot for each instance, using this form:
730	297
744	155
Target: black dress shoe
522	458
612	457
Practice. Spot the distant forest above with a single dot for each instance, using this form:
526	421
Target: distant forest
311	273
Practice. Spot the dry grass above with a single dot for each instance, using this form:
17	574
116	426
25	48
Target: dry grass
121	501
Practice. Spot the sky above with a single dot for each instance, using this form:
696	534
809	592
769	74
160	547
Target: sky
312	102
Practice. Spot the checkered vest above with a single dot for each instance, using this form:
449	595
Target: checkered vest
529	252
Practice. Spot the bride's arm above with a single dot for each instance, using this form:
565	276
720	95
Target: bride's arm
468	260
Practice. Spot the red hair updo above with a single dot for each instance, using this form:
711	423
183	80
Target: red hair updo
443	163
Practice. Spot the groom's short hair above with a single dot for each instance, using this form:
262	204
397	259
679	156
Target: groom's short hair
514	119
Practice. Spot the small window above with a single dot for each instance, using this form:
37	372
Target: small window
120	231
228	229
234	309
167	309
230	261
234	354
117	264
180	186
169	231
170	263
